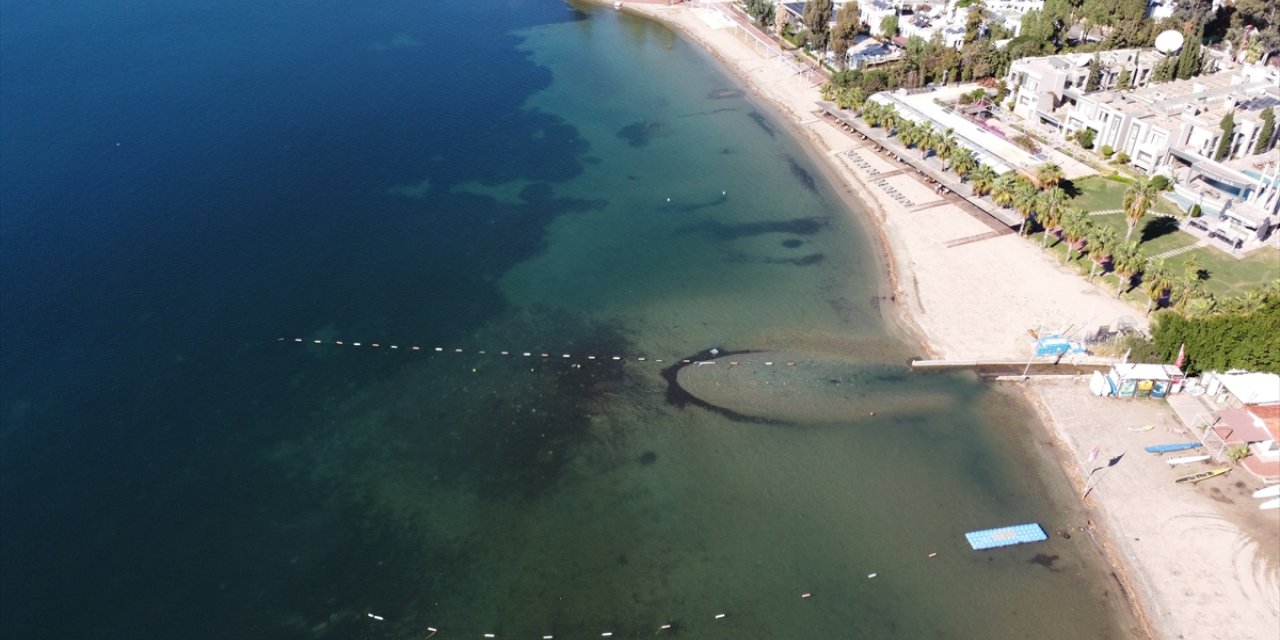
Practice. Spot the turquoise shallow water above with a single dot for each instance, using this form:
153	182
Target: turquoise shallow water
369	174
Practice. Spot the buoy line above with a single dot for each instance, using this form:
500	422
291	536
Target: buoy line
668	627
535	354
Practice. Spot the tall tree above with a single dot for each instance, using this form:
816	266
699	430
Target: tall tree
1101	240
1025	199
1049	175
1126	262
1268	130
982	180
1004	188
1138	199
848	26
1189	59
1049	209
972	21
1156	280
817	19
1228	126
1094	79
889	26
1075	228
1124	80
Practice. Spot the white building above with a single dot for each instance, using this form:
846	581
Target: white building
1039	85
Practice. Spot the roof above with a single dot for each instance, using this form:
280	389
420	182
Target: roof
1245	427
1135	371
1252	388
1270	416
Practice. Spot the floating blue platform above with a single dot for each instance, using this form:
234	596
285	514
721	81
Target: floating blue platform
1006	536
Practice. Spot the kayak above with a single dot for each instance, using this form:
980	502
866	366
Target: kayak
1269	492
1186	460
1203	475
1273	503
1169	448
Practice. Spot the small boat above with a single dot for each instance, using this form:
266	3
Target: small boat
1268	492
1186	460
1170	448
1145	427
1273	503
1203	475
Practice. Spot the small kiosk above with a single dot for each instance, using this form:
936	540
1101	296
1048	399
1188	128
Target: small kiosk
1138	381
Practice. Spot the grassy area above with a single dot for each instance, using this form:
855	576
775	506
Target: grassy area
1100	193
1229	276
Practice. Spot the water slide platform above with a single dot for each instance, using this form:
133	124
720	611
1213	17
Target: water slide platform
1006	536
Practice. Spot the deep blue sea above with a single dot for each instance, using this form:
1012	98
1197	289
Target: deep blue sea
193	192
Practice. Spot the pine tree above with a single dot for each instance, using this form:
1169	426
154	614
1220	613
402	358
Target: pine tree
1268	130
1189	61
1228	129
1125	81
1095	74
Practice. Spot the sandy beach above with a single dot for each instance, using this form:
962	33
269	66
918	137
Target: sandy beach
1198	562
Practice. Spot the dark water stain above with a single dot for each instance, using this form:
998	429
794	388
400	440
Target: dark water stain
707	113
733	231
802	175
648	458
792	244
695	206
1045	561
721	94
760	121
676	395
639	134
803	261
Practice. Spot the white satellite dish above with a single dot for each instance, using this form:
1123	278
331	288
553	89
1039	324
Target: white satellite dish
1168	41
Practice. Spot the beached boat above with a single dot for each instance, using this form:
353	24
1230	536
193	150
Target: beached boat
1186	460
1272	491
1145	427
1203	475
1170	448
1273	503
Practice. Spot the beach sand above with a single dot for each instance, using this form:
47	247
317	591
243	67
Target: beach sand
1196	562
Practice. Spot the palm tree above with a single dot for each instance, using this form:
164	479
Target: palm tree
908	133
871	112
1155	282
1003	189
1075	228
962	161
1049	175
928	141
1049	208
1138	199
982	179
1101	239
1025	199
1126	261
1191	268
1187	290
946	143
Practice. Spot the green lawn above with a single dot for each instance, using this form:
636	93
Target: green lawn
1229	276
1099	193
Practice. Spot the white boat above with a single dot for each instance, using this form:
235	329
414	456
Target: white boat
1268	492
1186	460
1273	503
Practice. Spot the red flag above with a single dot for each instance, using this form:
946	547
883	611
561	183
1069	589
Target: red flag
1182	356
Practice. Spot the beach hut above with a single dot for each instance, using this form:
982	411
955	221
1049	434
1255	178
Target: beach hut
1142	380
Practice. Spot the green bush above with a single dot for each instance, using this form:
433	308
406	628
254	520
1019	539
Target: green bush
1161	183
1121	158
1085	138
1194	212
1107	151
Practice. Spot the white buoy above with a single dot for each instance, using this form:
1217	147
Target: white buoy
871	575
375	617
719	616
806	595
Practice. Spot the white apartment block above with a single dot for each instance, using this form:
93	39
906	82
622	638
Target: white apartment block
1181	118
1039	85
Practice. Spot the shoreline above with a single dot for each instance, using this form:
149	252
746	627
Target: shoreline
931	253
